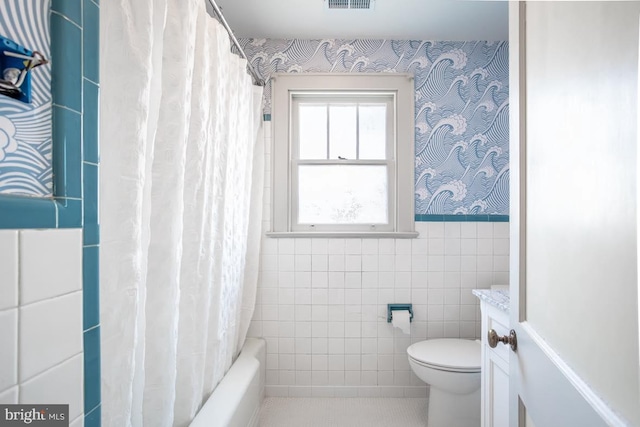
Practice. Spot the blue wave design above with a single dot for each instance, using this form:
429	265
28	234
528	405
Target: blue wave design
498	198
29	158
455	100
25	160
498	130
498	64
461	111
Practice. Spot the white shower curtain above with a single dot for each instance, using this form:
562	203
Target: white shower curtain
181	201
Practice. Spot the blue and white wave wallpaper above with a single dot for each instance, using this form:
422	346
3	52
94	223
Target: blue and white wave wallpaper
461	117
25	129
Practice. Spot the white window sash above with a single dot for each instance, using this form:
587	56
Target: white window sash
379	227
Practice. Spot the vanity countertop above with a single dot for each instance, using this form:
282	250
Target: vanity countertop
496	297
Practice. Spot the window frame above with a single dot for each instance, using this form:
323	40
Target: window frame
329	99
286	88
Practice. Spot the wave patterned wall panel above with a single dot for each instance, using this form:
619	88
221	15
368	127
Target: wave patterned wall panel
461	117
25	129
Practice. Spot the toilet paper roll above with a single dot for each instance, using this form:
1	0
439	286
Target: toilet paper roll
401	319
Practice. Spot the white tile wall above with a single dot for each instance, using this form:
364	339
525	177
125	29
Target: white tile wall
322	304
45	276
8	269
8	355
9	396
50	332
41	358
61	384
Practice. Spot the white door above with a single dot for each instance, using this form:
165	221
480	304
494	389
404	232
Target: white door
574	118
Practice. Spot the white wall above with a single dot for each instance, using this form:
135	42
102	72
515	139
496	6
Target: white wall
41	355
322	303
582	111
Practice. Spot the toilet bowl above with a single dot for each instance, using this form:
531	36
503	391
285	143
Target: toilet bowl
451	367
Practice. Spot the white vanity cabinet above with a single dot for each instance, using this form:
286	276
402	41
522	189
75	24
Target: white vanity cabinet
495	361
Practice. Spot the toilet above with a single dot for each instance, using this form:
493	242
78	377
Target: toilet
451	367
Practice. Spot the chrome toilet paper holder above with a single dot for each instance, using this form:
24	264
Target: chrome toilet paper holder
392	307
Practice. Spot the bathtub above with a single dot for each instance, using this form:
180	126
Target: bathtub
236	400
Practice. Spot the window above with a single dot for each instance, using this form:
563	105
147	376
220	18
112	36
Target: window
343	154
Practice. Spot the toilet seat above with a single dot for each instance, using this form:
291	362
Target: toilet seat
446	368
448	354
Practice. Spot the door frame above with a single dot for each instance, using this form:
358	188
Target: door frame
534	356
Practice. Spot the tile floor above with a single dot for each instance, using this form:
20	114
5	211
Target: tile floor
343	412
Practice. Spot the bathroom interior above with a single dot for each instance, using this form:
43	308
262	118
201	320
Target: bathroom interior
321	213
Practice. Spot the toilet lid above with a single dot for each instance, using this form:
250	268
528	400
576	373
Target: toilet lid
448	353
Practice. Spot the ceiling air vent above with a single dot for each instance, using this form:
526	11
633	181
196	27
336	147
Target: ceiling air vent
350	4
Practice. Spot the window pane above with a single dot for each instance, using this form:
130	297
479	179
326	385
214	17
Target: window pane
342	131
373	129
342	194
313	131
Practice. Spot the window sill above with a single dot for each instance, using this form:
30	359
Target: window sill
337	234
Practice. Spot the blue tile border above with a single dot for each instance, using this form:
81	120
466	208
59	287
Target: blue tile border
69	8
91	41
461	218
91	231
66	63
91	369
67	153
89	147
92	419
90	122
69	213
74	51
91	288
27	212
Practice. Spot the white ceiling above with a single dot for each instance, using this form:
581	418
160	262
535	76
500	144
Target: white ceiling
391	19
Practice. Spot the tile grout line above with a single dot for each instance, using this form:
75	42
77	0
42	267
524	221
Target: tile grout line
90	329
64	107
40	373
55	297
93	409
91	81
55	12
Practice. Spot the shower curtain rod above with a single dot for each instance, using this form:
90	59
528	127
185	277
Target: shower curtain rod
256	78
